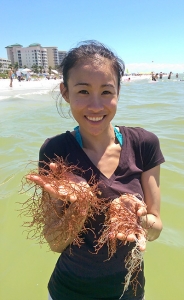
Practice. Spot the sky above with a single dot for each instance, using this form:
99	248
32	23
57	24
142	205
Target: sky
147	35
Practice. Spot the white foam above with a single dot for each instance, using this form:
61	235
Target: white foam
27	88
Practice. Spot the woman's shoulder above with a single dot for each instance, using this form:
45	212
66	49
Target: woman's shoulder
56	145
138	134
55	139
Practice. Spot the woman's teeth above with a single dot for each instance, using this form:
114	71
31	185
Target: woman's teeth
95	119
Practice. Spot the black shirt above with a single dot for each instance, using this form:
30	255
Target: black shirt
79	272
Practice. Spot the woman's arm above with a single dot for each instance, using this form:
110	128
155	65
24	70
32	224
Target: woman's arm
61	237
150	181
65	205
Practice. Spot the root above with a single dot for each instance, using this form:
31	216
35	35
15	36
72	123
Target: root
133	264
49	215
122	218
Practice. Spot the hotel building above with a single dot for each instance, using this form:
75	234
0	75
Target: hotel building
34	54
4	64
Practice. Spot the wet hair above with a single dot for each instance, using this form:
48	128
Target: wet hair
88	50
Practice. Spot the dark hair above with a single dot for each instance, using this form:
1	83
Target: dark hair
89	49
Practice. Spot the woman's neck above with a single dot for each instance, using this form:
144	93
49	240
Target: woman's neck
102	141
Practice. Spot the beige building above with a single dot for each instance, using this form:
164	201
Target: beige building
12	52
4	64
61	55
35	54
52	55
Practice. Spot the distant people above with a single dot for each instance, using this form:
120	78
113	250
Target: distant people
169	77
161	75
127	79
18	73
10	75
153	77
176	75
28	76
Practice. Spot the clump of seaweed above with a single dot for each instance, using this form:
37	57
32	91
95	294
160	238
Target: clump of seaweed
74	200
121	217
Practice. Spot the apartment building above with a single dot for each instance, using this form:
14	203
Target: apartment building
12	52
61	55
4	64
34	54
52	55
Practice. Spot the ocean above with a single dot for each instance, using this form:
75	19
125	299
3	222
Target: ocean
28	115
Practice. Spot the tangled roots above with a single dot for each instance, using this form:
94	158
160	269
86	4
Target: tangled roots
48	214
122	218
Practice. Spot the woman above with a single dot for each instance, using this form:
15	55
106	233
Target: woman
122	160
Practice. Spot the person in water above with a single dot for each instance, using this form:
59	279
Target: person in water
169	76
122	159
10	75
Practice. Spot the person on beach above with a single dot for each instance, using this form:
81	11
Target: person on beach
10	75
122	159
153	77
169	77
28	76
18	73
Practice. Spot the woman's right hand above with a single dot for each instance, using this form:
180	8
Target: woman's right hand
62	222
67	190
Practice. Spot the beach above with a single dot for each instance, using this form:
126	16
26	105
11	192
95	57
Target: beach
28	115
26	85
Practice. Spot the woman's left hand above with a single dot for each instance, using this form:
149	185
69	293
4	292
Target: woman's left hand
137	208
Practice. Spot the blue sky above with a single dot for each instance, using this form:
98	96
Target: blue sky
139	31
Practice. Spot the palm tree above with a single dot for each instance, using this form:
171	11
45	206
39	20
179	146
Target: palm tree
35	68
1	65
50	68
41	69
16	66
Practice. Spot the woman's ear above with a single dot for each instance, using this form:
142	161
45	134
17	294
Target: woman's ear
64	92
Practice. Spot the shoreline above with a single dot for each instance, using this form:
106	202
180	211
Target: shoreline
26	85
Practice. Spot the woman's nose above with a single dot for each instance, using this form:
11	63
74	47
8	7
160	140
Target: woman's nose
95	103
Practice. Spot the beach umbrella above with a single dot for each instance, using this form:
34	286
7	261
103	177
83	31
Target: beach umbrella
54	71
25	70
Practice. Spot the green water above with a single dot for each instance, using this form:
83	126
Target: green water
26	119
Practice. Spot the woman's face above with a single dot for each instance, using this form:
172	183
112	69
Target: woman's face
93	94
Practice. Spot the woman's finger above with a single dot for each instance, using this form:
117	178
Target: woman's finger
142	242
36	179
142	211
53	167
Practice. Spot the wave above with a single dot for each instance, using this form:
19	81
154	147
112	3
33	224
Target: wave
172	237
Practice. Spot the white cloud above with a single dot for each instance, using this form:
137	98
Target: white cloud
154	67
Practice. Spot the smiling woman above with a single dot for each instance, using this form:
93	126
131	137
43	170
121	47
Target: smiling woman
121	161
92	92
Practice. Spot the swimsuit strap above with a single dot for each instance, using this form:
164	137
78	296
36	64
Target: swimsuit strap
119	136
79	138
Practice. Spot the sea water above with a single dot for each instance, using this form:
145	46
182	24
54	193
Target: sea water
28	116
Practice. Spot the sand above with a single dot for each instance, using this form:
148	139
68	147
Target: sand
27	85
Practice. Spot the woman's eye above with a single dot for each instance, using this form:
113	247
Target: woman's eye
83	92
106	92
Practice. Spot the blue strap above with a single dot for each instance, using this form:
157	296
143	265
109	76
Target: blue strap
118	136
79	138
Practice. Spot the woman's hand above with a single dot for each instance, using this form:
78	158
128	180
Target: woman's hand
62	222
67	189
134	209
